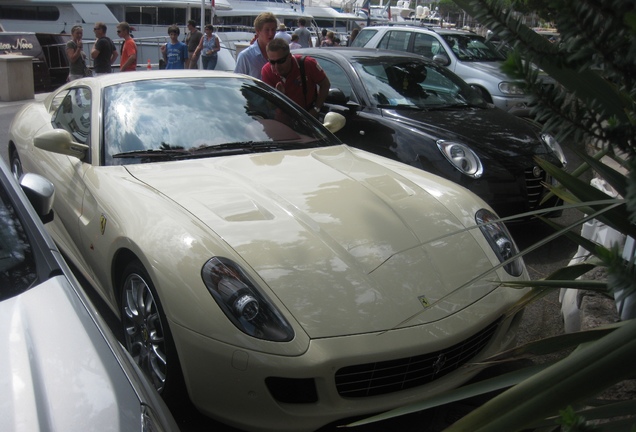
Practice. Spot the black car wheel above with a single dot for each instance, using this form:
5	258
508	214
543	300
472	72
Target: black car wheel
146	332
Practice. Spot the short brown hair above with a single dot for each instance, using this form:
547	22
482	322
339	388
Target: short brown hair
264	18
124	26
100	25
278	45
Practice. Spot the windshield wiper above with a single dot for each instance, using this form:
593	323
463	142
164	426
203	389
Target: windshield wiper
252	147
242	146
151	153
403	106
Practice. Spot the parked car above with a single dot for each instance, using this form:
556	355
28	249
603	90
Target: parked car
412	110
288	279
466	54
62	368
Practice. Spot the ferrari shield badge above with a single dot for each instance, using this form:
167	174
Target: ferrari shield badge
424	301
102	224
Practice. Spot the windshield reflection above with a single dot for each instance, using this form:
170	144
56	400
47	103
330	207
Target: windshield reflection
472	48
414	84
177	117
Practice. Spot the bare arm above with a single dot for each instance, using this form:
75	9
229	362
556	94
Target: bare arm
199	47
74	54
323	92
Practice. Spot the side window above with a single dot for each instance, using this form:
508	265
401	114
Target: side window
363	37
427	45
396	40
337	77
74	114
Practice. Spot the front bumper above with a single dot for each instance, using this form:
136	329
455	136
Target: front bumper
230	383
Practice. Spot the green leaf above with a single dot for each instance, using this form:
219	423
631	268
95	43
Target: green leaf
575	378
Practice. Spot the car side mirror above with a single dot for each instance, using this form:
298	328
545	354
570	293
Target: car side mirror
334	121
60	141
441	59
40	193
336	97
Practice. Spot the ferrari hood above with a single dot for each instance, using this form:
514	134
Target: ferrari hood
332	232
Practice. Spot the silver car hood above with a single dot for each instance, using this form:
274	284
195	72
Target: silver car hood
329	227
51	382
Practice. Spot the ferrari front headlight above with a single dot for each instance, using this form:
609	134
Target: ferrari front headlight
462	158
500	241
245	305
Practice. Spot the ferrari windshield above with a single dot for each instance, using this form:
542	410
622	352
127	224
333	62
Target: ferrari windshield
411	83
167	119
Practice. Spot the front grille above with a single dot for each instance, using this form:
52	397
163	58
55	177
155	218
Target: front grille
534	188
390	376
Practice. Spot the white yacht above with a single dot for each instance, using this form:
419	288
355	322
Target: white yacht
150	19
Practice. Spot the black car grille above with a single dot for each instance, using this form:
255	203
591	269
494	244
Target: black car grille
534	188
390	376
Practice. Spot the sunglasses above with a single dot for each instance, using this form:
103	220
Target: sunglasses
280	61
96	28
118	31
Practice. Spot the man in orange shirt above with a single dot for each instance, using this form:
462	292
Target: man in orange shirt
128	50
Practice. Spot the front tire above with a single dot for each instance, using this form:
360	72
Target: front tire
147	335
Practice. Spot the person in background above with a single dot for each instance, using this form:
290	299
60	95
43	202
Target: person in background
128	61
192	40
304	36
75	55
294	42
352	36
327	41
208	48
104	52
283	72
282	33
175	53
251	60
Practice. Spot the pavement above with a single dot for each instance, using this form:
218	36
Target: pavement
37	96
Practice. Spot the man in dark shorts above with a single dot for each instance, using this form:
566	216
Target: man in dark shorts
192	41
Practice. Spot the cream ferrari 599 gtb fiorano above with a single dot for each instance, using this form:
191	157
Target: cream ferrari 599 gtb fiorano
280	277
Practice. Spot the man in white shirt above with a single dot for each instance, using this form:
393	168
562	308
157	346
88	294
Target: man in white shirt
282	33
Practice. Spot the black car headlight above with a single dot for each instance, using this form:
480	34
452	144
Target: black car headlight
462	158
500	241
245	305
554	145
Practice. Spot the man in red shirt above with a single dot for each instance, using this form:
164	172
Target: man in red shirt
283	72
128	49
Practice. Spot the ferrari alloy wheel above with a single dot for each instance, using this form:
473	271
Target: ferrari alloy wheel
16	166
145	329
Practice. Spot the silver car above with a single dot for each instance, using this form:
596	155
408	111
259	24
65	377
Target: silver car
62	369
467	54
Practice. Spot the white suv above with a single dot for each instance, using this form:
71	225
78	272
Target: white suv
468	55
